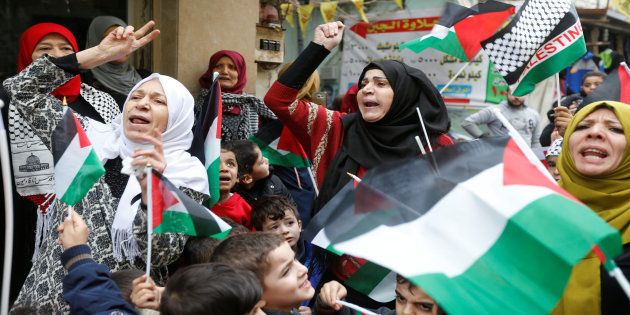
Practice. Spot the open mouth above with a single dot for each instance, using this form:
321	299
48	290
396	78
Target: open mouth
225	178
139	120
592	153
370	104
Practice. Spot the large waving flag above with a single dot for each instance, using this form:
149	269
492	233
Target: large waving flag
206	144
278	144
461	29
616	87
175	212
545	37
77	166
479	227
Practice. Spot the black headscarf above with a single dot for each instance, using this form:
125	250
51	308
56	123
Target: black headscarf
392	137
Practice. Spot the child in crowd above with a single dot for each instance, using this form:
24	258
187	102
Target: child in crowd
284	279
279	215
255	178
410	299
552	156
231	205
212	289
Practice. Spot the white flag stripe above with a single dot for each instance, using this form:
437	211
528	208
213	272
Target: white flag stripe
179	207
211	143
455	238
69	165
438	31
385	290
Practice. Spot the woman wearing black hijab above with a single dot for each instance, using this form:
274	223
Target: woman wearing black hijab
382	131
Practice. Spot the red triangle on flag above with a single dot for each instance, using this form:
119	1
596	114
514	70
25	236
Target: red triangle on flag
518	170
162	199
83	139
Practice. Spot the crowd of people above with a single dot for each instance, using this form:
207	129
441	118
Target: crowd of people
91	257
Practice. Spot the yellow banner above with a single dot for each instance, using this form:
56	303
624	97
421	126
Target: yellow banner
399	3
304	11
286	10
328	10
359	5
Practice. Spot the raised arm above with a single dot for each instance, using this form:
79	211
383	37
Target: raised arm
118	43
301	117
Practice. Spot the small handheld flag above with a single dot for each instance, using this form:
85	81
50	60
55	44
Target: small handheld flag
77	166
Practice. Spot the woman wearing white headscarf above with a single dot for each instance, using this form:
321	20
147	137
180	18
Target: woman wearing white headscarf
116	77
155	127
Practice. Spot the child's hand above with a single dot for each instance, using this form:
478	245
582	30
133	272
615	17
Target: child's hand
331	292
146	294
72	231
305	310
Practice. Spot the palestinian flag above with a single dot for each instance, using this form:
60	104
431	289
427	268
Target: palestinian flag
278	144
479	224
175	212
616	87
206	144
545	37
461	29
77	166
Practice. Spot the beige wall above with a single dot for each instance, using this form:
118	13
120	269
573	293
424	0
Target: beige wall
206	26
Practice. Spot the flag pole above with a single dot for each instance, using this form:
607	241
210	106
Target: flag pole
420	145
558	88
310	174
424	130
355	177
149	178
355	307
613	270
8	216
458	73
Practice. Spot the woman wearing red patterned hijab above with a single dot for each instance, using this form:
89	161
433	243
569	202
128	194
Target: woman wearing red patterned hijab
241	112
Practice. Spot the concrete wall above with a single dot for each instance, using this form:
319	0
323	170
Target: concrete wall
192	30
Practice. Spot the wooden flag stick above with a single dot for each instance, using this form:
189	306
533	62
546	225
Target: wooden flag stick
149	179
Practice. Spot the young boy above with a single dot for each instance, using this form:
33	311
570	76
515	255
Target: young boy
212	289
279	215
552	156
284	279
231	205
255	179
410	300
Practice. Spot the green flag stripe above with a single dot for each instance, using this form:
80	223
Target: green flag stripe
213	181
277	158
532	261
367	277
449	45
183	223
88	174
551	66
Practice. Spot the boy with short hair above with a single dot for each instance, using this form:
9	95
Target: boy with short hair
255	178
410	299
212	289
279	215
284	279
231	205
